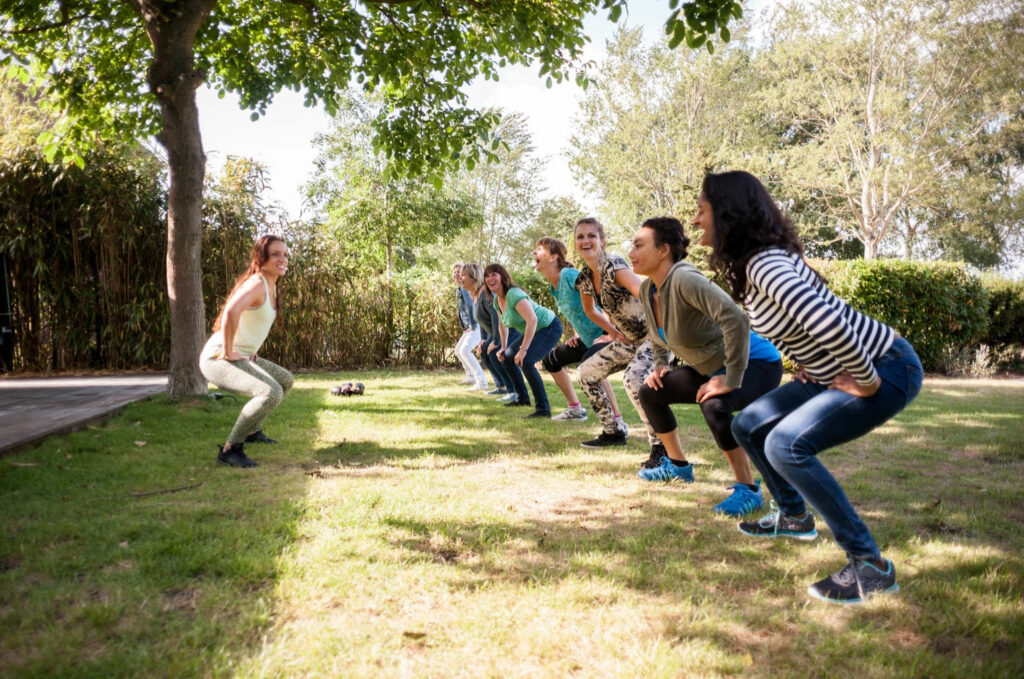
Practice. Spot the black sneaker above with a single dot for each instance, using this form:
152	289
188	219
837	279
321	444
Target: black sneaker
234	456
259	437
539	413
654	461
775	524
517	404
855	583
605	440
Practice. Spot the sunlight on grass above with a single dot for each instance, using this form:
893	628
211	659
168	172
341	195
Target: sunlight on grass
421	530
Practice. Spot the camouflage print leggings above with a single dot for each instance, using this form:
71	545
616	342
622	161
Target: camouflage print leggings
637	361
266	382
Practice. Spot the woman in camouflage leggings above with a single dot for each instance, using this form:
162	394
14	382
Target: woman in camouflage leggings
608	281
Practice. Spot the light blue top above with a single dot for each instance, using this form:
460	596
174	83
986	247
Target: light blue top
568	299
512	319
762	350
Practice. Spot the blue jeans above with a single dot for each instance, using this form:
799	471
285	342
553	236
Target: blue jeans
494	364
784	430
544	340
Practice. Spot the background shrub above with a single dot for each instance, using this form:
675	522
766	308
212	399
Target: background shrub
937	306
1005	334
85	250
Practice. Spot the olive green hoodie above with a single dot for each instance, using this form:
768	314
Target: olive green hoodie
695	315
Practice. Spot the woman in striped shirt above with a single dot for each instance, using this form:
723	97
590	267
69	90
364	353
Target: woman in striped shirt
854	373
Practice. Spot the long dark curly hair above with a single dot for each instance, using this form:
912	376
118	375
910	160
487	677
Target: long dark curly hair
745	221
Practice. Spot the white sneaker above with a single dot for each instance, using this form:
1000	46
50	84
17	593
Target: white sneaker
510	396
576	413
467	380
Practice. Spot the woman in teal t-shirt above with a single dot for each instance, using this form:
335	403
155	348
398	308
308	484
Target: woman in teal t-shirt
549	259
540	330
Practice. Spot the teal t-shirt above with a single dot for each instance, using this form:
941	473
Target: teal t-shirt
568	299
511	318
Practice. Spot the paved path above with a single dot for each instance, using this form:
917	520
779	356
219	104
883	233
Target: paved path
32	408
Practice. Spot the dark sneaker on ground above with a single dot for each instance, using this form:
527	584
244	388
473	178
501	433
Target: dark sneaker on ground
667	471
539	413
234	456
605	440
654	461
775	524
516	404
742	501
855	583
259	437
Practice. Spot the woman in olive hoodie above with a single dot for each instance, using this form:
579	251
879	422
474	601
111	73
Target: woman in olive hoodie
724	367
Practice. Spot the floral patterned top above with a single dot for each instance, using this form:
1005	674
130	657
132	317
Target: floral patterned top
624	310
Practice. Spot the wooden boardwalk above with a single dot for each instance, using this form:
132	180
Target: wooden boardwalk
32	408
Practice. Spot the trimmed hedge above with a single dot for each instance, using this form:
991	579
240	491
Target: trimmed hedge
1005	333
1005	311
938	306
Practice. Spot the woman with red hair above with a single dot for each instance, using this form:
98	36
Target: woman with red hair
230	359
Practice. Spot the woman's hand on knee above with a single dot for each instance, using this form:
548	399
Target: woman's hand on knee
654	379
716	386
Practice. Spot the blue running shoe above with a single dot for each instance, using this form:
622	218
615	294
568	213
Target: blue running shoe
742	501
667	471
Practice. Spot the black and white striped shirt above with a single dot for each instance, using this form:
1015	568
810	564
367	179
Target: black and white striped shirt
790	306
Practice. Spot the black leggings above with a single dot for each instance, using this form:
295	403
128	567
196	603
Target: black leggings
564	355
680	386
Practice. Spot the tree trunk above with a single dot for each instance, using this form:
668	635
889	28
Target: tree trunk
389	317
870	248
173	79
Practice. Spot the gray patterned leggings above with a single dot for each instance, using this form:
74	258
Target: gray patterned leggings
266	382
637	361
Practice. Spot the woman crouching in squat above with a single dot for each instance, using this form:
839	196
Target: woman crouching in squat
725	365
230	359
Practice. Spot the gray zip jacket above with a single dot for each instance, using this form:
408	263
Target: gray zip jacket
703	326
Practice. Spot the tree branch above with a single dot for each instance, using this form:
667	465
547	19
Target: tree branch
66	20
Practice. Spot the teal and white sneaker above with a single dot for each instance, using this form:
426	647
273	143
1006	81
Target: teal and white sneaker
742	501
775	524
667	471
509	397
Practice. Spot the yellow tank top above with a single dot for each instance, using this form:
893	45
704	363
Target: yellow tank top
253	328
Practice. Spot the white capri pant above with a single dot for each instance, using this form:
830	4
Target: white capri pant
464	350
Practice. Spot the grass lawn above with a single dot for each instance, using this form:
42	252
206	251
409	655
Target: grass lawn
424	531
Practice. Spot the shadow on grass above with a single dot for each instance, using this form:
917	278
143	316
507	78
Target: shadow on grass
96	581
128	551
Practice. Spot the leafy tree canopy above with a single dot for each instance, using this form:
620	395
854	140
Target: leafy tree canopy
95	60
